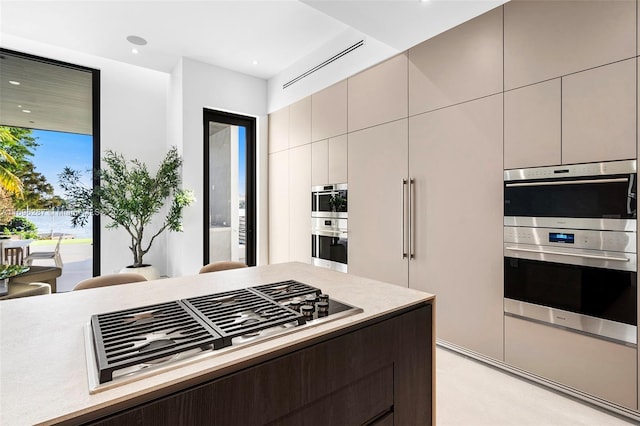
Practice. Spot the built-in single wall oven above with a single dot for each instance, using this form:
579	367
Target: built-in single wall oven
570	248
329	218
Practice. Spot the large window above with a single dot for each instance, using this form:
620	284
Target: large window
51	109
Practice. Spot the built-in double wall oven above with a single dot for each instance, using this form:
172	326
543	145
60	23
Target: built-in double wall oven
570	248
329	217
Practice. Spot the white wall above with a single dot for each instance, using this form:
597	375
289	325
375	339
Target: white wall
371	53
207	86
133	122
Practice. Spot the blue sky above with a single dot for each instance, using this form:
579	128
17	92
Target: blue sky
58	150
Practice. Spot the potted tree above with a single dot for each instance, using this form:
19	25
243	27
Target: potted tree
129	196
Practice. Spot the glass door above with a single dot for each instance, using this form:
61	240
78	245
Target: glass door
229	181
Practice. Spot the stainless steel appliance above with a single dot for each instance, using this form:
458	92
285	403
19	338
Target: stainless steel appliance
329	243
584	280
582	196
130	344
570	247
330	201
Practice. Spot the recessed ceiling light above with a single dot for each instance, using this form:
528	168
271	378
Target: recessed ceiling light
26	111
254	62
137	40
15	83
19	106
134	51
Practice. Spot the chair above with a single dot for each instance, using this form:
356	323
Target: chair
221	266
110	279
17	290
55	255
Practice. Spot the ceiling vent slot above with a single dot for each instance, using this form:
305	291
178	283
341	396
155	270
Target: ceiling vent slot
325	63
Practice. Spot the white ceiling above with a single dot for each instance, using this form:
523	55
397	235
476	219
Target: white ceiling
231	34
270	39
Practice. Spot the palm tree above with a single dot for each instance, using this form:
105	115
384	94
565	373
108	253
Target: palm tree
8	180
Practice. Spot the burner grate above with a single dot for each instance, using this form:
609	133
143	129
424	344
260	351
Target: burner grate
285	290
242	313
146	335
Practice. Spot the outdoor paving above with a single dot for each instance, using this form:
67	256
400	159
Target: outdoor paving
77	263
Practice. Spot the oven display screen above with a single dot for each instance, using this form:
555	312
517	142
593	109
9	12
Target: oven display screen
558	237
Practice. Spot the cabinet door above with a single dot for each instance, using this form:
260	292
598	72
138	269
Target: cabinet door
439	67
548	39
300	122
300	204
532	126
377	166
279	207
379	94
319	162
329	112
598	367
338	164
455	157
599	114
279	130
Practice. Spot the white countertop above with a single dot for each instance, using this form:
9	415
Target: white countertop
43	372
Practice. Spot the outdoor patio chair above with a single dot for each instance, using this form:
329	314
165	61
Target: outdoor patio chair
55	255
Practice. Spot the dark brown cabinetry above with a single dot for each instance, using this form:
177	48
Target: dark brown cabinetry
379	373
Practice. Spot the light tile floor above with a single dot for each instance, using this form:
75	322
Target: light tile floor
471	393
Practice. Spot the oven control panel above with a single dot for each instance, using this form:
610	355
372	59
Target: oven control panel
574	238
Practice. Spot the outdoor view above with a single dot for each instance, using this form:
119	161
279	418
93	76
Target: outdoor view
38	213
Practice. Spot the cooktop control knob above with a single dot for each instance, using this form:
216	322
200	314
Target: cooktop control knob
295	305
310	299
323	308
323	298
307	311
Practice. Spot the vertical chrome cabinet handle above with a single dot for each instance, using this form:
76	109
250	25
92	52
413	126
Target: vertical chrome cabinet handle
412	221
404	219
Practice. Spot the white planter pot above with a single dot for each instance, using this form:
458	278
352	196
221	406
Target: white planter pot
147	271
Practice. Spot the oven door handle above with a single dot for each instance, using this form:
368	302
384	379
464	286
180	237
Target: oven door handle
586	256
328	233
567	182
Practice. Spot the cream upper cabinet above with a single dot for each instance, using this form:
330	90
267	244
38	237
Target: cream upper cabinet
320	163
300	204
458	65
338	159
379	94
548	39
532	127
455	160
599	114
279	207
279	130
377	166
329	112
300	122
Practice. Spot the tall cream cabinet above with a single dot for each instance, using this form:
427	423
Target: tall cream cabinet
431	187
378	160
279	207
455	158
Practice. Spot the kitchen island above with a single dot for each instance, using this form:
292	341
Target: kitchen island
375	366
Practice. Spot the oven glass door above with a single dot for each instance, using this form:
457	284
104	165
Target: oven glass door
612	197
329	247
329	201
597	292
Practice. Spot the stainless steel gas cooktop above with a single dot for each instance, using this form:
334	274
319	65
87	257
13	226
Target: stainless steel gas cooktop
130	344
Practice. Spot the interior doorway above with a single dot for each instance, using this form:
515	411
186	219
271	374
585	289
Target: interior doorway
229	182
